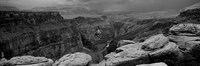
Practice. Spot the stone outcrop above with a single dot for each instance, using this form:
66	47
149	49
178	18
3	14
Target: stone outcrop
25	60
127	55
28	61
186	36
155	42
187	29
187	39
134	54
76	59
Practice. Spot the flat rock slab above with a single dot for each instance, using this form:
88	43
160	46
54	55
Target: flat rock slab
76	59
155	42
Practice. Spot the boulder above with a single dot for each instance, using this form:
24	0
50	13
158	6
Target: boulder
126	59
185	29
125	42
153	49
154	64
155	42
127	55
4	62
169	48
76	59
170	52
30	61
185	42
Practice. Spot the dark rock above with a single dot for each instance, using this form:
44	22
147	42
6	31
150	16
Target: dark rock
48	36
191	14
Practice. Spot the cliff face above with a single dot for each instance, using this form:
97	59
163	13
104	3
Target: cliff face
51	36
37	33
47	34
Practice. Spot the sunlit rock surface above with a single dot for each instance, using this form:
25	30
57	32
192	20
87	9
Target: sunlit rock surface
76	59
134	54
154	64
155	42
28	61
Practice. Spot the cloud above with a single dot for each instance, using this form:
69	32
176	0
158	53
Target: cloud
27	4
104	5
139	5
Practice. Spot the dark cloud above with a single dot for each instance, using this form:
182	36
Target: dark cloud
27	4
139	5
104	5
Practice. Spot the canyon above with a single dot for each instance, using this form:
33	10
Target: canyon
48	34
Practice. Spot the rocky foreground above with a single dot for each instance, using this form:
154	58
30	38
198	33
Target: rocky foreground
179	48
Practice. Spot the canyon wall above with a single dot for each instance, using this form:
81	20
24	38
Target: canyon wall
38	34
48	34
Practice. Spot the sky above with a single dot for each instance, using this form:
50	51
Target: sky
104	5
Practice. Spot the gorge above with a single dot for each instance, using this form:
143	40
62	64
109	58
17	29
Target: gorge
48	34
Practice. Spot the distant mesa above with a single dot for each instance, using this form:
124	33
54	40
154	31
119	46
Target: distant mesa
66	10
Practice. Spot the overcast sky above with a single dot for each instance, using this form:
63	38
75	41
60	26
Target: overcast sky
104	5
